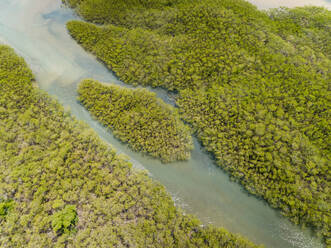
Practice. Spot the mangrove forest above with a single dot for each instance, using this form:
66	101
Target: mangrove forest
62	186
253	85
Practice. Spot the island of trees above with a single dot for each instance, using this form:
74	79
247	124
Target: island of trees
138	117
254	86
61	186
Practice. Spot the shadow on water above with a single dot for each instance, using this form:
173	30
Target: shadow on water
36	30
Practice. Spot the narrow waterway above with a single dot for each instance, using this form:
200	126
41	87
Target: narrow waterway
36	30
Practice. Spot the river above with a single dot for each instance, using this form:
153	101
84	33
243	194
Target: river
36	30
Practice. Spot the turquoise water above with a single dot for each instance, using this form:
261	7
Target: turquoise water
36	30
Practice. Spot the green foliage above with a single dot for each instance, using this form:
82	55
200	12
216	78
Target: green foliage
5	207
72	190
254	86
138	117
113	11
65	220
311	27
265	149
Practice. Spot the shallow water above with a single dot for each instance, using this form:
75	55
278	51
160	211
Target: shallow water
266	4
36	29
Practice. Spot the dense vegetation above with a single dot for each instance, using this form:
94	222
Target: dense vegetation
254	85
311	26
138	117
60	186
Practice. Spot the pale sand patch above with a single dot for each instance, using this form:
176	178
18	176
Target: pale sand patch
266	4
